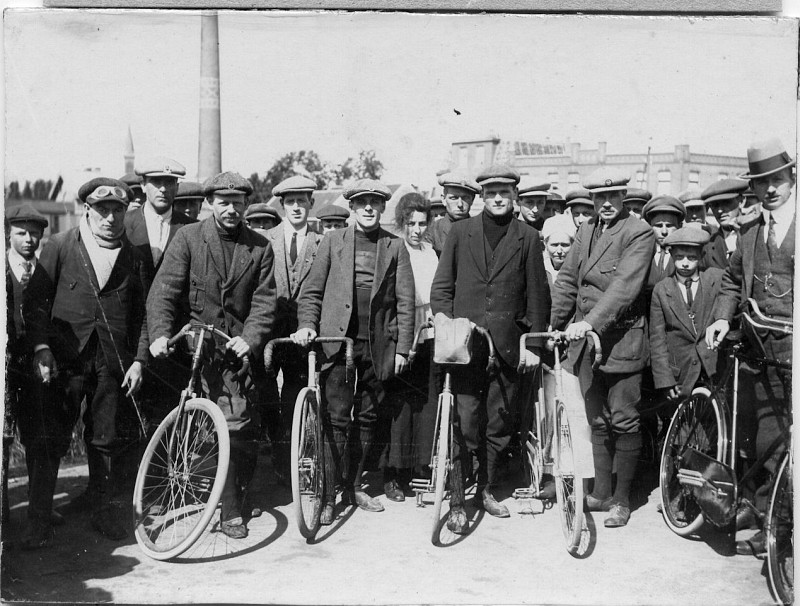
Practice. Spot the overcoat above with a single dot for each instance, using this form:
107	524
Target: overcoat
136	230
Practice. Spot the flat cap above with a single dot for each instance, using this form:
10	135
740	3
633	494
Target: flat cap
528	189
190	189
724	189
554	195
333	211
261	210
101	189
691	197
606	179
664	204
454	179
161	167
498	173
579	196
367	186
294	184
227	183
132	180
687	236
638	194
25	213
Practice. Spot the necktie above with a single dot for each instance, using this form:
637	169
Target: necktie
661	258
689	298
772	241
293	249
26	273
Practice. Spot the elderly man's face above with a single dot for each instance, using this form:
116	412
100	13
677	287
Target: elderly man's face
774	190
608	204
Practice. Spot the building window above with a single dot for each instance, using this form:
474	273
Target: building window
552	176
573	180
664	182
722	176
694	178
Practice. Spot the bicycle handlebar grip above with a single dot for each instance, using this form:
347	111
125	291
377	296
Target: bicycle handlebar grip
350	365
485	333
181	333
598	350
413	351
269	348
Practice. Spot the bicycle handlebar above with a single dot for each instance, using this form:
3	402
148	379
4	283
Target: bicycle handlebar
558	335
764	322
350	366
413	351
479	329
200	326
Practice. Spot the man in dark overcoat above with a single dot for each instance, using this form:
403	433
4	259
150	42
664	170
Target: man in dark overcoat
492	272
602	283
224	273
360	286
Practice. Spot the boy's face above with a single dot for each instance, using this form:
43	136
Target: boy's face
663	224
687	260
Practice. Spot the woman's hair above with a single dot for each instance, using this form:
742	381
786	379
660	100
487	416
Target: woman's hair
409	204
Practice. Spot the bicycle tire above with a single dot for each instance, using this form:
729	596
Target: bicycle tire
569	483
307	461
441	460
699	422
780	529
171	510
531	437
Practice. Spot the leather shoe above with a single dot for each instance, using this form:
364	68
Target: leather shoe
457	521
746	517
492	507
595	504
105	522
36	535
234	528
618	516
755	546
547	492
362	500
327	515
393	492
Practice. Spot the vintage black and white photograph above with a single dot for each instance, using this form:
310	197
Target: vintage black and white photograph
398	308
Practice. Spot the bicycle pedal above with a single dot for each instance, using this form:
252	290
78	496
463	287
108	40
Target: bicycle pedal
525	493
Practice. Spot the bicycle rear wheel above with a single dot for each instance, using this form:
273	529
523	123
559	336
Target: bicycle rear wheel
308	476
441	459
180	480
569	483
698	423
780	529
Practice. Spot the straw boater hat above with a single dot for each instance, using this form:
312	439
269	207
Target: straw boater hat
765	158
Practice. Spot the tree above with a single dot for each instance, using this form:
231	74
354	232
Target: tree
27	193
368	167
13	193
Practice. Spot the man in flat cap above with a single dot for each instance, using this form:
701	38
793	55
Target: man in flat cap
532	198
223	272
580	205
491	271
360	286
458	195
635	201
724	198
762	268
261	217
295	247
332	217
134	181
602	284
189	199
84	308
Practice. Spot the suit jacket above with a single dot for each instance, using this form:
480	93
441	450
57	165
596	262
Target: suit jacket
136	230
677	341
64	305
288	290
326	299
240	303
514	298
715	253
606	289
437	233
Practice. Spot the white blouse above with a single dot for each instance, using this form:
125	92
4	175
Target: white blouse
423	264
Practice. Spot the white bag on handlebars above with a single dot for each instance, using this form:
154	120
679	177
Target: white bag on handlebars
452	340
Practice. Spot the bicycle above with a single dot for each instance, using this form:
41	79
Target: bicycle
698	476
183	468
548	423
308	457
442	450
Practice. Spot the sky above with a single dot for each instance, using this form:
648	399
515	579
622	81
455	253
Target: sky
338	83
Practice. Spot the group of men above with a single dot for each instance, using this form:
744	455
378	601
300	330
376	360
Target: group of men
92	317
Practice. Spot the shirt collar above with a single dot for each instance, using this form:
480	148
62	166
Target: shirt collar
783	214
152	215
288	229
15	258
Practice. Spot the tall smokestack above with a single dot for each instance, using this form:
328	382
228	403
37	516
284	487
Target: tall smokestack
209	159
129	155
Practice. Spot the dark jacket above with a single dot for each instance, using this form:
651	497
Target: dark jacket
64	305
715	253
513	299
606	289
677	341
326	299
438	231
136	231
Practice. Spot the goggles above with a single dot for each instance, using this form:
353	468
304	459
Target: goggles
107	191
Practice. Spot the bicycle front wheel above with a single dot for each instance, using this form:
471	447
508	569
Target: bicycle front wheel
441	459
180	479
780	530
698	423
308	476
569	483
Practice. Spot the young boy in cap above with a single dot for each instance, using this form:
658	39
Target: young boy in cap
664	214
458	195
491	272
189	199
360	286
332	217
223	272
602	284
85	315
580	206
679	312
261	217
532	199
762	268
635	201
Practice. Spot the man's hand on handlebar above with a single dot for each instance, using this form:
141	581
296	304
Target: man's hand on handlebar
238	346
529	361
716	333
160	348
577	331
304	336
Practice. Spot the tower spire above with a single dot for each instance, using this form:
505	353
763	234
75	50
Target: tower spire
130	156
